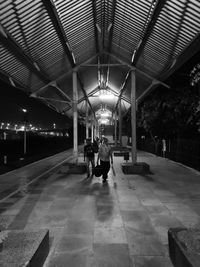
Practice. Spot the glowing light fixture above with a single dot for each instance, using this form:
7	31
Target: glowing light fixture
105	114
104	121
105	95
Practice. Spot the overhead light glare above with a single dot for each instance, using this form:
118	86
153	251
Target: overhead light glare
109	27
133	56
104	121
2	31
105	95
98	28
105	114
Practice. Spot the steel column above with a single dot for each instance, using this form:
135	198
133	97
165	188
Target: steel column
75	117
133	116
86	120
120	121
115	128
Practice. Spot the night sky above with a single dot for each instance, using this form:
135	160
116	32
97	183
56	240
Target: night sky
12	100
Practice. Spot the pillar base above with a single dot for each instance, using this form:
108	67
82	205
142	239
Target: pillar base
184	247
25	248
136	168
74	168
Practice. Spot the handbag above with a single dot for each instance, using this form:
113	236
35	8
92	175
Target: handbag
98	170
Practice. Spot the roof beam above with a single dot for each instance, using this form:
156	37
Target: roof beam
15	48
85	94
159	5
52	99
123	63
10	43
125	99
95	27
53	84
103	65
147	91
86	63
51	9
63	38
112	25
188	53
110	30
10	80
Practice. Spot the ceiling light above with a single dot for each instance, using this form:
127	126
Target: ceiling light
104	121
105	95
105	114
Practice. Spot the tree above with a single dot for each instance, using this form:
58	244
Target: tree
169	113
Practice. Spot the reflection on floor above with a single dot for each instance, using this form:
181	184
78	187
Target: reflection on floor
122	223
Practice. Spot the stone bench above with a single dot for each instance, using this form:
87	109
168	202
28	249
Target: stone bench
24	248
184	247
74	168
120	153
136	168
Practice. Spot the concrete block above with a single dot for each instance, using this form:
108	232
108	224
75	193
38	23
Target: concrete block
120	154
77	168
24	248
184	247
120	148
137	168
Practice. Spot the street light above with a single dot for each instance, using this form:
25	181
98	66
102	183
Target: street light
25	122
2	124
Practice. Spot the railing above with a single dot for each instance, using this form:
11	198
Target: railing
185	151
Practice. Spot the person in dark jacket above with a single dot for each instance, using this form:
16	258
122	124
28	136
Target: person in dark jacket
89	156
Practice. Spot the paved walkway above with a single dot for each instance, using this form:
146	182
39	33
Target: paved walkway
123	223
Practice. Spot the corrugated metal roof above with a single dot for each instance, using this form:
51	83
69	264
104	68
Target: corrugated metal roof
41	42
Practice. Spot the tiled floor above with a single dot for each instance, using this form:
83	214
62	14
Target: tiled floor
123	223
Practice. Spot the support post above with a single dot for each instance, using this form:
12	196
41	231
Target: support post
75	117
115	128
87	130
92	131
133	116
134	167
95	128
120	121
24	138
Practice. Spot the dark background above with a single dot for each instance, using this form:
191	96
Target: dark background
13	100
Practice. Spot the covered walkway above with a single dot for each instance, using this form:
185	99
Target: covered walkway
119	224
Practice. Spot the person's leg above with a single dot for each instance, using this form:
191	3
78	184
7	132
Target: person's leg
88	166
93	165
105	169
